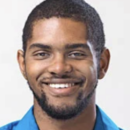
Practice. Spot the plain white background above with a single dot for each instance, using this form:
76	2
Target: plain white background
113	92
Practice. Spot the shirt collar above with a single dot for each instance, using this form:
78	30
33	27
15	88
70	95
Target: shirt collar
103	122
28	122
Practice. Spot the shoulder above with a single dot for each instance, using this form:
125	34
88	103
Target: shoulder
107	123
9	126
26	123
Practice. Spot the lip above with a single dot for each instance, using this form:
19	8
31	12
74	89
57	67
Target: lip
62	92
61	81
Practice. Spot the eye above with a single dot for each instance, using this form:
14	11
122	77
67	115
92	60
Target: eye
41	55
77	55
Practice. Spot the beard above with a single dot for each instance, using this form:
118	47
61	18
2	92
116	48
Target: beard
66	112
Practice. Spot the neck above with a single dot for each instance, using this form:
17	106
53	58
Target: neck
84	121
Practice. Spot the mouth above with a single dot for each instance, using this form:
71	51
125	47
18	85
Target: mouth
62	89
61	85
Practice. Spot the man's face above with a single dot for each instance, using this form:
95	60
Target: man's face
60	66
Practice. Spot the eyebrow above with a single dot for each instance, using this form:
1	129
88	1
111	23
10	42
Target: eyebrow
39	45
68	46
77	45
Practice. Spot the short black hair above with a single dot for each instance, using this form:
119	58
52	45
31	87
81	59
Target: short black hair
78	10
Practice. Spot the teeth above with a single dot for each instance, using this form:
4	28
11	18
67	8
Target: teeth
61	85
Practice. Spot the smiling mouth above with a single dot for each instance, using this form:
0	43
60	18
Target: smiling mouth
61	85
62	88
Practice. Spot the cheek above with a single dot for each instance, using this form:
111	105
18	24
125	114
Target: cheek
87	68
35	69
89	71
91	80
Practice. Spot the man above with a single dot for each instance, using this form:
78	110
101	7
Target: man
63	57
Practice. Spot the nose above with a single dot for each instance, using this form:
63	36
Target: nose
60	67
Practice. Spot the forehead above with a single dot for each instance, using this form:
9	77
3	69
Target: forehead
58	30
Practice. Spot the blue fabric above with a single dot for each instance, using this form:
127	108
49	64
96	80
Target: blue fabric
103	122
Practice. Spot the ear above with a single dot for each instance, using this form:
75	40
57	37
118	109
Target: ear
104	63
21	61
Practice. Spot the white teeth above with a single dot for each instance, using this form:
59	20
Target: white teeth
61	85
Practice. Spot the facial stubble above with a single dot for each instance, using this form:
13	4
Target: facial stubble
66	112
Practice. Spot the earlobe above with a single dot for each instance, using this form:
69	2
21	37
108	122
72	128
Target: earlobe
104	63
21	61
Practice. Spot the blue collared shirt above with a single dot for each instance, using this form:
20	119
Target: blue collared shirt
103	122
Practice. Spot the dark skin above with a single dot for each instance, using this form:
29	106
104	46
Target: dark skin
59	47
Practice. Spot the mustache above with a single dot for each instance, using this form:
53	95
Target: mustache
67	77
61	77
